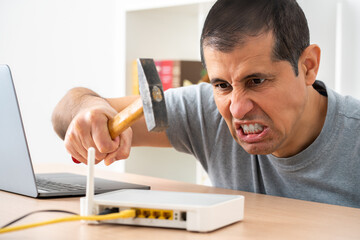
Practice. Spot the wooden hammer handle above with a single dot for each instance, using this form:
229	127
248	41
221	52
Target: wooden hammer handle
125	118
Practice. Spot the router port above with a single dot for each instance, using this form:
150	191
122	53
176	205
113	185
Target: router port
168	215
108	210
146	213
156	214
138	213
183	216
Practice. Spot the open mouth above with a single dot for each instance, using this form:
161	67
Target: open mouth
252	128
251	132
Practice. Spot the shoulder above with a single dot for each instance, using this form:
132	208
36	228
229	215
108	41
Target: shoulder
193	120
191	92
339	105
347	106
199	97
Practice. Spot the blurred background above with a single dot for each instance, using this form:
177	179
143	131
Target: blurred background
54	45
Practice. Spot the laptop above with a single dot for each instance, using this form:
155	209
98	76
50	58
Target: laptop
16	170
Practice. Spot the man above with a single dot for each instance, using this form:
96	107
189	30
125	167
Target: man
289	135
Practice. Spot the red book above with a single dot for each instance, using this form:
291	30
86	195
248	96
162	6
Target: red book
166	74
174	73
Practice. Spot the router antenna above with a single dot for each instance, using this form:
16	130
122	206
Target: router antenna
90	182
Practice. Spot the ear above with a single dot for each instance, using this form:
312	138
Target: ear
309	63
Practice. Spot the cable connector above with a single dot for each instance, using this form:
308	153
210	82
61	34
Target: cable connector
109	210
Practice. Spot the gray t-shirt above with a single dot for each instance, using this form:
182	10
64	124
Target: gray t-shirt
327	171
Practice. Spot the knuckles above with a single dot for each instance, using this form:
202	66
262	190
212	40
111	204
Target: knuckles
95	116
125	144
99	156
106	147
123	154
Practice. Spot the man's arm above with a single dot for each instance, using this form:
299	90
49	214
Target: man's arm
81	118
69	106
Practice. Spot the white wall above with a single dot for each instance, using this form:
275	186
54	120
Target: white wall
54	45
350	61
323	17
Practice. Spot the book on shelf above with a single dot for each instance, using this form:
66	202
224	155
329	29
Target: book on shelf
174	73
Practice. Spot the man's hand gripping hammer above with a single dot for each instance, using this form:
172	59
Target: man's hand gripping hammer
151	104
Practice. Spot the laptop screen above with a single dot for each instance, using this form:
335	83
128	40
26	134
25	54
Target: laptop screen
16	172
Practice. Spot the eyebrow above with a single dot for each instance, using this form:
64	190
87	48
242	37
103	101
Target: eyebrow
215	80
252	75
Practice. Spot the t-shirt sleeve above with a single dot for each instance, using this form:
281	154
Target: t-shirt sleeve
193	119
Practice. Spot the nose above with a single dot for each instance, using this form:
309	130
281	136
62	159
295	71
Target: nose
240	105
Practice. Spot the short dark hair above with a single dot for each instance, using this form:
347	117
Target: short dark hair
229	22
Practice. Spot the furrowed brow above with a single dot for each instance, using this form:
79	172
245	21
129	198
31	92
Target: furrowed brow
216	80
250	76
259	75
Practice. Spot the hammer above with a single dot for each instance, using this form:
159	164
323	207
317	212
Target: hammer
151	104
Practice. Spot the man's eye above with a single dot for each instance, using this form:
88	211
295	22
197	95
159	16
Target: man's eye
256	81
222	85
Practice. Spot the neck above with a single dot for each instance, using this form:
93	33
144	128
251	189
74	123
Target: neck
317	115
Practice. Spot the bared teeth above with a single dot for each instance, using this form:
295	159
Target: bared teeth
252	128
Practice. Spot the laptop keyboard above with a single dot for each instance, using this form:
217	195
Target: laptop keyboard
51	186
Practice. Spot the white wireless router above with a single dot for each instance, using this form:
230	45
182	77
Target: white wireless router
191	211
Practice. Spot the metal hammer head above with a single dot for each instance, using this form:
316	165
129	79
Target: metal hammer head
152	95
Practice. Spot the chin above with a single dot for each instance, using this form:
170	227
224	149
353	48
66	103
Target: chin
257	152
257	149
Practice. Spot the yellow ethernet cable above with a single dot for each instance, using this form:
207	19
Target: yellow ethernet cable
123	214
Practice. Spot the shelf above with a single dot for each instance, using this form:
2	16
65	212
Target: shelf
162	30
163	33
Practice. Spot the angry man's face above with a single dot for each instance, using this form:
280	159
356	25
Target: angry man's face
262	101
